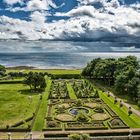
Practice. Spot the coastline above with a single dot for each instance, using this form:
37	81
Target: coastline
37	68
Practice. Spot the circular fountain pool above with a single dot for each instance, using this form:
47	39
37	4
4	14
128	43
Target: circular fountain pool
74	111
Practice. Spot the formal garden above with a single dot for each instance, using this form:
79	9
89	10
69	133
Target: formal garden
87	112
53	101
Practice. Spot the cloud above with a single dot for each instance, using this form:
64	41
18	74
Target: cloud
11	2
80	11
32	5
111	22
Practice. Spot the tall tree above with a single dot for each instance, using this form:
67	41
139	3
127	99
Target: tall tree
35	81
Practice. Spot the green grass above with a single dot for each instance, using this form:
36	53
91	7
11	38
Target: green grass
51	71
15	104
71	92
132	121
39	121
125	98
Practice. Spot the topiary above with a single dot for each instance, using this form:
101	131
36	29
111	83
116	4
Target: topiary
139	103
96	95
82	117
99	109
79	102
52	124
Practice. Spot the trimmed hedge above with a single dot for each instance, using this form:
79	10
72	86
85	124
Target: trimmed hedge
15	130
11	82
66	76
52	129
110	111
21	122
118	126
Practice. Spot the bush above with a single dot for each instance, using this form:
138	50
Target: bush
74	137
66	76
79	102
79	136
52	124
129	112
139	103
99	109
82	117
96	95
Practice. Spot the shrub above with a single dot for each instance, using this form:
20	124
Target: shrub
108	94
79	136
85	136
82	117
74	137
99	109
121	104
7	126
79	102
61	109
129	112
52	124
115	100
139	103
96	95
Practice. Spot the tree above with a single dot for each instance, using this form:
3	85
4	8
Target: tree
105	69
122	73
132	87
2	70
35	81
88	70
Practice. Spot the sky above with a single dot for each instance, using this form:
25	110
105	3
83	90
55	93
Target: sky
84	20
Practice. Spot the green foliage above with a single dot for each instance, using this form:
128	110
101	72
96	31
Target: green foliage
2	70
123	73
88	71
79	103
96	95
35	80
82	117
79	136
99	109
139	103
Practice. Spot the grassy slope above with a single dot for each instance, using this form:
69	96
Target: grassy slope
125	98
51	71
39	121
71	92
133	121
16	105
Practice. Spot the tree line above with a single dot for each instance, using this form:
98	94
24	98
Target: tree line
122	73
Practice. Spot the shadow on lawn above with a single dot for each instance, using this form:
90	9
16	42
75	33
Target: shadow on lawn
30	92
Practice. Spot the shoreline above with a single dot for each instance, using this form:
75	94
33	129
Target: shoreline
37	68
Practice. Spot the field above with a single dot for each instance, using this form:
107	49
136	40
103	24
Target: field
16	104
66	104
50	71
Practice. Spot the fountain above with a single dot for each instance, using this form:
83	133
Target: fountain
74	111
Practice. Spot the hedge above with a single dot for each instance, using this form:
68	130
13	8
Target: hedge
11	82
66	76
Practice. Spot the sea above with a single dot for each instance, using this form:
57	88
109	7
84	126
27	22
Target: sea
44	54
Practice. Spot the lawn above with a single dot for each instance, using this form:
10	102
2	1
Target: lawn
132	121
125	98
71	92
51	71
39	121
16	103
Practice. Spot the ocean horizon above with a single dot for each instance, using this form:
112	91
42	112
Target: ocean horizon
61	54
